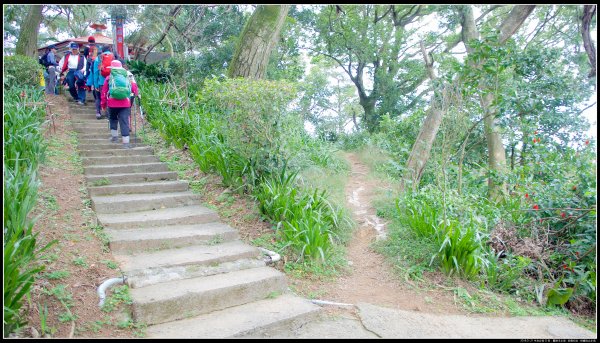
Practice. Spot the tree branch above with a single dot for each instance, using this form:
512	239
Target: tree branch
172	15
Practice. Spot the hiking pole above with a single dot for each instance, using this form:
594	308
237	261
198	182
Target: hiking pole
129	123
134	120
141	114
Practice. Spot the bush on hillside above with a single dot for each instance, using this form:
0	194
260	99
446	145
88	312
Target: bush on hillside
21	71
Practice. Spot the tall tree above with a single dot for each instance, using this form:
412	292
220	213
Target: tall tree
369	42
27	42
421	149
259	37
496	151
470	36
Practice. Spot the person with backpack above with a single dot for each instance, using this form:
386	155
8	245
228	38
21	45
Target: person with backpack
89	83
48	60
70	63
115	95
97	78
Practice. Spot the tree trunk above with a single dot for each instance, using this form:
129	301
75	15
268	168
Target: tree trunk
27	41
588	14
259	37
496	152
422	148
368	105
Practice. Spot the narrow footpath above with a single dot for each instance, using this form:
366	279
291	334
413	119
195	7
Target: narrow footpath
370	302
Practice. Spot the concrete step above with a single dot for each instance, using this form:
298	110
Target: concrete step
101	139
167	216
127	168
169	237
148	268
137	151
105	139
107	145
181	299
114	179
104	160
89	123
200	254
85	117
285	310
77	109
127	203
92	127
140	187
81	135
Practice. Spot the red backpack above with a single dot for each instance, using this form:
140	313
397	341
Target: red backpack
104	64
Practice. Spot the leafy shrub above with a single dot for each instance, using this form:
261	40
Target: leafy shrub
256	118
21	71
152	72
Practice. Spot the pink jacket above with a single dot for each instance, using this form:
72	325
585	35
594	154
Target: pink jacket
113	103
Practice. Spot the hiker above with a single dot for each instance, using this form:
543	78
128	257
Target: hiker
82	88
77	62
89	83
91	44
97	78
115	95
48	60
131	79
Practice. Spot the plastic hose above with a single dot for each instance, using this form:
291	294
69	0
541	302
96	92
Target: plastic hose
106	285
273	256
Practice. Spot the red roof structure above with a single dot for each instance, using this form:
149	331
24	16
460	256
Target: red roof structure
63	46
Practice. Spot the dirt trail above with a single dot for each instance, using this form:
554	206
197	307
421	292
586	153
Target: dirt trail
371	279
388	307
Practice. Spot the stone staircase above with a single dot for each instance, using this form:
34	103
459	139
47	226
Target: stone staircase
189	274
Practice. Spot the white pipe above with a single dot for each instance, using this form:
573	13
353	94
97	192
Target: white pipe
325	302
274	257
106	285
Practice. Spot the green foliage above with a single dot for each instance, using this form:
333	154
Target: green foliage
306	222
56	275
367	43
24	149
120	295
505	274
559	296
154	72
21	71
256	118
419	216
459	251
